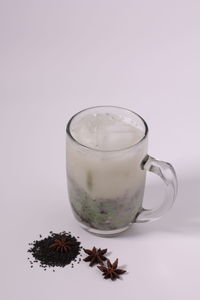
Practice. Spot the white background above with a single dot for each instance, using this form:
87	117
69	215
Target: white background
58	57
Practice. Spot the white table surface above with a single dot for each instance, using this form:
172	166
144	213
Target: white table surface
58	57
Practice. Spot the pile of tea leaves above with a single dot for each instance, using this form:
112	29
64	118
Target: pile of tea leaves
55	250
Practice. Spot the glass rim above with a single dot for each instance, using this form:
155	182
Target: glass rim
107	151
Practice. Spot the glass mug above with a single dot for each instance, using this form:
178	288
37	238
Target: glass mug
107	160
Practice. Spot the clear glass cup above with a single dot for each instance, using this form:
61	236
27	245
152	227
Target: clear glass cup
107	161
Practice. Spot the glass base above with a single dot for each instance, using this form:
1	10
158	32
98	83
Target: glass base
105	233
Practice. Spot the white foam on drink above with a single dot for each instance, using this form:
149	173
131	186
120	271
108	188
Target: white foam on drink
106	132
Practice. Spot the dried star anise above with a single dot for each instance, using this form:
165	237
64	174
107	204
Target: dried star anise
61	245
111	270
95	256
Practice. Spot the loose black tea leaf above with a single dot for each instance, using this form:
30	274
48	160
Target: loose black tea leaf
58	249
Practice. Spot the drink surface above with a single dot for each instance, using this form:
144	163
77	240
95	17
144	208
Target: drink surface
106	132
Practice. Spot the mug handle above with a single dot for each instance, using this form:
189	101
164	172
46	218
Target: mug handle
168	175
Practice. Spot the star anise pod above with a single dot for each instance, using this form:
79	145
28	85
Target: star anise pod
111	270
61	245
95	256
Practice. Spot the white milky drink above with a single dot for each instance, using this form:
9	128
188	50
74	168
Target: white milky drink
105	149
